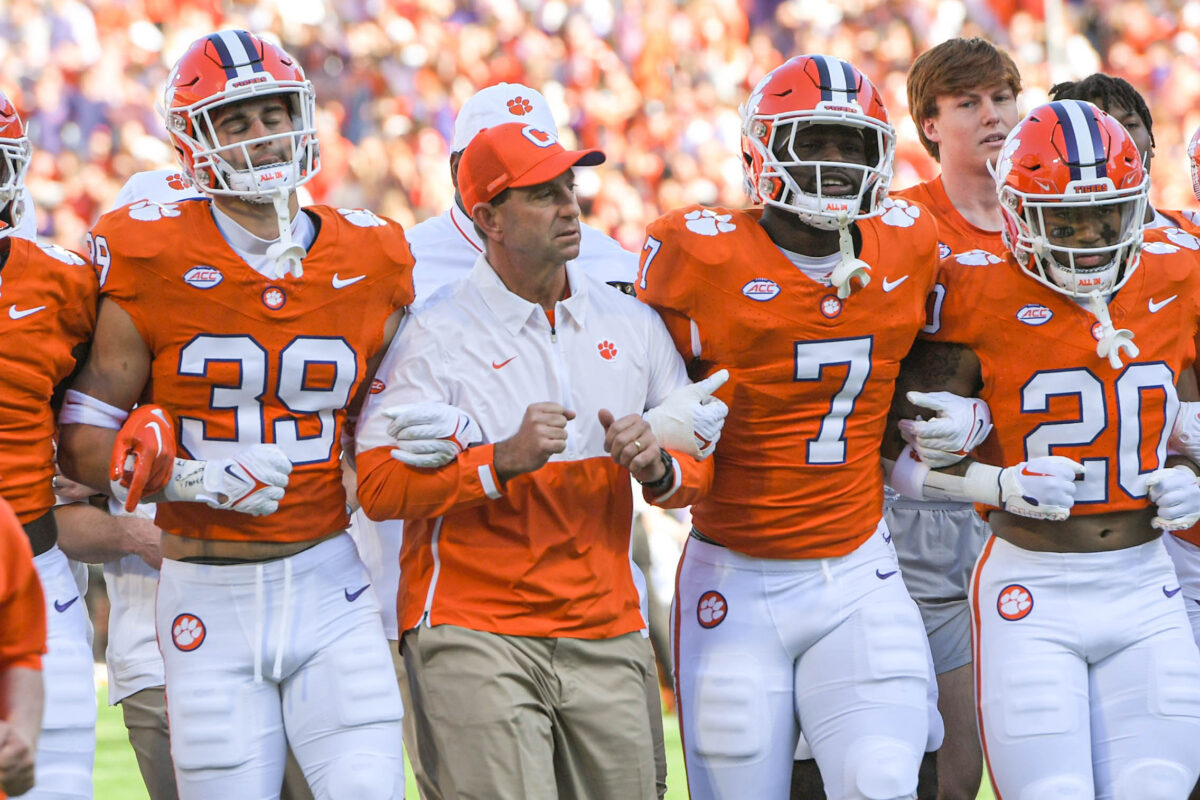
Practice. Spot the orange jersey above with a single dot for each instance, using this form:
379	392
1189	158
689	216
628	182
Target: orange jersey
22	605
47	312
956	237
797	470
1049	391
241	359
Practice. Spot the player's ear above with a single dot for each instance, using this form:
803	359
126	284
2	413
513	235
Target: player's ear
929	128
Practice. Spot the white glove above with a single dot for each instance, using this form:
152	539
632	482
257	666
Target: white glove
1177	494
1040	488
689	419
1185	435
252	482
430	434
961	425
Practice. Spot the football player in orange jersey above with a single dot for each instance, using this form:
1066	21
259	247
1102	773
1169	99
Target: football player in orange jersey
1085	667
237	320
49	309
22	643
962	95
789	613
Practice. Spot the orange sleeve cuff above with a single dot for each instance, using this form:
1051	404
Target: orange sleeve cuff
693	479
390	489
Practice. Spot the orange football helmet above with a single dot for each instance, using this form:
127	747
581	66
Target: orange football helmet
229	67
1075	161
15	154
807	90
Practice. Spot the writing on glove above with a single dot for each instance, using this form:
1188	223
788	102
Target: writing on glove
252	482
1177	494
143	455
430	434
689	420
960	425
1040	488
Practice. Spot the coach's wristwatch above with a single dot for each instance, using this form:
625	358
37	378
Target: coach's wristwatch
668	478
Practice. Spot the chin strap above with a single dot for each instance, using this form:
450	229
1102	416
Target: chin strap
849	268
287	254
1112	341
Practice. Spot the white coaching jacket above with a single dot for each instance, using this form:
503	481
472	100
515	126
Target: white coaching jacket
547	553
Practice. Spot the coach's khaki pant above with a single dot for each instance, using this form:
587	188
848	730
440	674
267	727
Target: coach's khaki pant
511	716
145	714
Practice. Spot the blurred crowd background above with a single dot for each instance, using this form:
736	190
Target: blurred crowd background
655	83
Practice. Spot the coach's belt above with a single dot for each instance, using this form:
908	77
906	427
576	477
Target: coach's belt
701	537
42	533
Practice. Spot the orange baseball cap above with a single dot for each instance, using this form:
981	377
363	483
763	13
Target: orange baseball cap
514	154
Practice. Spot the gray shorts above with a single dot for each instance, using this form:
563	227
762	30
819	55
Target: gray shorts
937	545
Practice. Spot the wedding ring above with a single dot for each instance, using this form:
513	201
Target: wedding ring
638	445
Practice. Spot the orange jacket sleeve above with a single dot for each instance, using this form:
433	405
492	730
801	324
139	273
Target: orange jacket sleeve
22	605
390	489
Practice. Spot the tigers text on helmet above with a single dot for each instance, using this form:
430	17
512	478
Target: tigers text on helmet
15	154
223	69
1073	193
815	90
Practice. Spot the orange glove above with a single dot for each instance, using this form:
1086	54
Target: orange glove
143	455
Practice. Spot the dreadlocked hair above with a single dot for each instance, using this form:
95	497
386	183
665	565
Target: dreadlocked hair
1106	91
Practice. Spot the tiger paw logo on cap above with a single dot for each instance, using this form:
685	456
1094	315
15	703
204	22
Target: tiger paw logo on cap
519	106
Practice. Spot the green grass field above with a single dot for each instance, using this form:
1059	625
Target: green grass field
117	777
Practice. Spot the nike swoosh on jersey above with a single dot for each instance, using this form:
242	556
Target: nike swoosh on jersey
342	283
502	363
15	314
352	596
1171	592
889	285
883	576
1156	307
61	607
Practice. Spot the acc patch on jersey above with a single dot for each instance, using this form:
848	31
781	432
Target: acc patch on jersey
711	609
1034	314
187	632
761	289
1015	602
203	277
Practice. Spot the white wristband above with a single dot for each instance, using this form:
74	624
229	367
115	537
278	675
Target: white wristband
913	478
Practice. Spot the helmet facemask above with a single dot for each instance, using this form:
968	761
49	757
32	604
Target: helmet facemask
774	138
229	169
1039	227
15	155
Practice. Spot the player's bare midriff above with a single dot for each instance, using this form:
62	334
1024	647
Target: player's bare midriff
180	548
1093	533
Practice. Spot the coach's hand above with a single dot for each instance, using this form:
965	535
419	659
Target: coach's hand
543	433
1040	488
631	442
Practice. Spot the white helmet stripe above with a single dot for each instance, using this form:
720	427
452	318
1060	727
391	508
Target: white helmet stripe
239	62
1079	131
